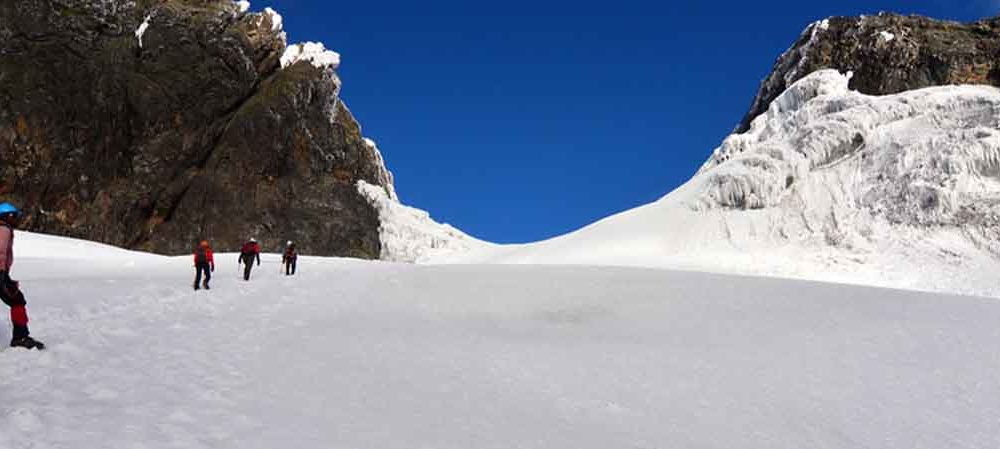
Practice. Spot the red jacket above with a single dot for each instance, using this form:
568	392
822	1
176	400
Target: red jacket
249	252
208	256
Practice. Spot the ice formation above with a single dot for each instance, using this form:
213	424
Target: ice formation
411	235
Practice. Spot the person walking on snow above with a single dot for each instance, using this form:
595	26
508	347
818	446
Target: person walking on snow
249	251
289	258
204	262
10	290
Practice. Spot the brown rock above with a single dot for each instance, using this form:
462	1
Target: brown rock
197	134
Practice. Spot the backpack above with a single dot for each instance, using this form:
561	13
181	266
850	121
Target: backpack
200	255
247	248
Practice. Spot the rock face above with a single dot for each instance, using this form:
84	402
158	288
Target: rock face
888	54
152	124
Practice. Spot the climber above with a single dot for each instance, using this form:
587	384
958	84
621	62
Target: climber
10	290
290	258
249	252
204	262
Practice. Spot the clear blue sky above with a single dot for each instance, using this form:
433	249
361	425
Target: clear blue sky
517	121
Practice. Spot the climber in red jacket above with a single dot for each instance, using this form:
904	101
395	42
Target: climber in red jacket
248	253
204	262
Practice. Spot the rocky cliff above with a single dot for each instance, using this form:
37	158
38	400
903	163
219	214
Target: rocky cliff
151	124
887	54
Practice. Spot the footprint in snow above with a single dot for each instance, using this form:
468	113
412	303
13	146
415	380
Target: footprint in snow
121	332
180	416
24	420
99	393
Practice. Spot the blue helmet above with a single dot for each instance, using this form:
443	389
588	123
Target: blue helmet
7	208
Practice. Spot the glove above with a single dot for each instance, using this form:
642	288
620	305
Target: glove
213	268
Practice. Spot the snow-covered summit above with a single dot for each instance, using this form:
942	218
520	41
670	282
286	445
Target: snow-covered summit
828	184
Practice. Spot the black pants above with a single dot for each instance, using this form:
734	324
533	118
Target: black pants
290	266
207	269
246	270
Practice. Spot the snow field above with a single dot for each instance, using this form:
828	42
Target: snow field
355	354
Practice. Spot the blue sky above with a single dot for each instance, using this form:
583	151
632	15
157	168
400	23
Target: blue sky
518	121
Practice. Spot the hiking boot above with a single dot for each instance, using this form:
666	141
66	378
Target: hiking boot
27	342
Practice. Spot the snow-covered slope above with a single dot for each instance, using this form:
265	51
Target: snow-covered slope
409	234
352	354
829	184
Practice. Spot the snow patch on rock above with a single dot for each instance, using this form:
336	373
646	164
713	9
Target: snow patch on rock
141	31
411	235
243	5
385	174
886	36
314	52
814	30
277	22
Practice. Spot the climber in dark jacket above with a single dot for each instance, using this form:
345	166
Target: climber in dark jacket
249	252
290	258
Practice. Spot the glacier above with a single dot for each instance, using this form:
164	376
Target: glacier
829	184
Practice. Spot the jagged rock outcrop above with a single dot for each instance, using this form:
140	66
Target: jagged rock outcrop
151	124
888	54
